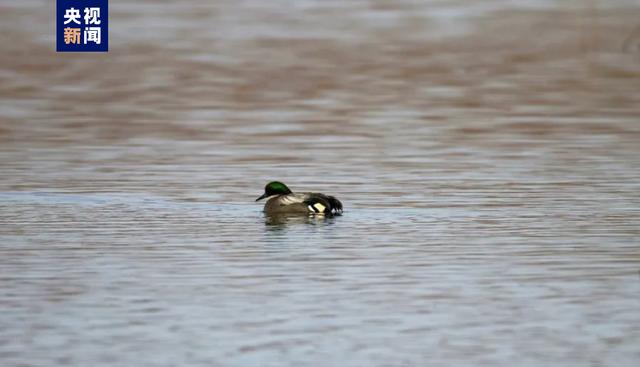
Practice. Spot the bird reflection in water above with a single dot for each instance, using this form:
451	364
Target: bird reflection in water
276	221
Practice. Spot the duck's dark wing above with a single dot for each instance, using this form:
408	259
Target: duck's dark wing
336	205
321	203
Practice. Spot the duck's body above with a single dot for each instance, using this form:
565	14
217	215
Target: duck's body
282	201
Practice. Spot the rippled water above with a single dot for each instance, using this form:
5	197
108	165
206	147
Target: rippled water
487	157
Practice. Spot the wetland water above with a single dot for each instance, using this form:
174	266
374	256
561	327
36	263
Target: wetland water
487	158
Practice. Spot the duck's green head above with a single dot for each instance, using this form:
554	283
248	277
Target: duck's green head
274	188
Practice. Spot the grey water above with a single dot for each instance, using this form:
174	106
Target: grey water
487	156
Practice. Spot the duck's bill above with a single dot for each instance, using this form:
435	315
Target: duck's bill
261	197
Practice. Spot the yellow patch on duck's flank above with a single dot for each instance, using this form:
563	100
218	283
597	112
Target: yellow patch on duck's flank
319	207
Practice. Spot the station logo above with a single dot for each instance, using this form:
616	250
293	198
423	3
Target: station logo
82	25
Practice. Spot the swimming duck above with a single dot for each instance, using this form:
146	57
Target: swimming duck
282	201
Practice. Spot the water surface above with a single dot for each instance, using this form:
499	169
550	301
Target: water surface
487	157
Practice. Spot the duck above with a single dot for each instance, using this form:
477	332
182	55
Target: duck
281	200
